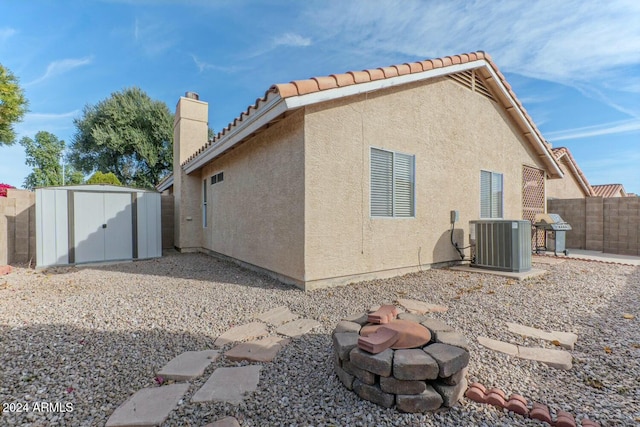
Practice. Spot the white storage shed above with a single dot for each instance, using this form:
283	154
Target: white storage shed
96	223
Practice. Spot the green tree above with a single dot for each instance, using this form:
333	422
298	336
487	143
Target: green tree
13	105
44	155
128	134
72	176
104	178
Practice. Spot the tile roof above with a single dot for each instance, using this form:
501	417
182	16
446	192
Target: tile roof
351	78
609	190
561	152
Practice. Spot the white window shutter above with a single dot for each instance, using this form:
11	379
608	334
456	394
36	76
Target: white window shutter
403	176
381	183
485	194
496	195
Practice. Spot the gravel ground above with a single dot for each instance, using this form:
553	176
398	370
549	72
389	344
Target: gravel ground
94	336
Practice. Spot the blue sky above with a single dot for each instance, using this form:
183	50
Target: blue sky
574	64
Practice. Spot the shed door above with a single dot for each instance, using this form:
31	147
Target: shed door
102	226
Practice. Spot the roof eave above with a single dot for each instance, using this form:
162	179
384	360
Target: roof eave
268	112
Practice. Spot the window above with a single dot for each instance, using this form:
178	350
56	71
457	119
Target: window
490	194
204	204
219	177
392	184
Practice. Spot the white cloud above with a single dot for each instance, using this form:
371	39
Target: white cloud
291	39
50	122
6	33
62	66
202	66
152	37
623	126
565	42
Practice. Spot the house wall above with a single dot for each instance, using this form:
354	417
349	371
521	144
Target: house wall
453	132
167	213
564	188
256	214
17	227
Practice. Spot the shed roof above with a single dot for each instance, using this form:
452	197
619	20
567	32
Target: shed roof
281	98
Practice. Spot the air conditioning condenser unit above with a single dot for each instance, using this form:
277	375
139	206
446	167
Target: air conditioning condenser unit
501	244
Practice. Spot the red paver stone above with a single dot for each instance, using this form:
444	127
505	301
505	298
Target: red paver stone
379	341
5	269
498	391
479	386
540	412
476	395
520	398
383	315
517	407
496	400
565	419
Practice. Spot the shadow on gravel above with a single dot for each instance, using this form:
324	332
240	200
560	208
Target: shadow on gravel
607	356
189	266
95	371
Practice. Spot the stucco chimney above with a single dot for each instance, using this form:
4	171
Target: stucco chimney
190	128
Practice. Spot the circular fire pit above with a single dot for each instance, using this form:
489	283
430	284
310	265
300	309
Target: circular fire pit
413	362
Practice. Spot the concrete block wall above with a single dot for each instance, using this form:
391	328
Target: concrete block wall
18	227
572	211
610	225
166	219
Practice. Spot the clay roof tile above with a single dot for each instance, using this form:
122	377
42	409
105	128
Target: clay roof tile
464	58
344	79
375	74
415	67
456	59
389	71
427	65
359	76
437	63
306	86
325	83
446	61
285	90
403	69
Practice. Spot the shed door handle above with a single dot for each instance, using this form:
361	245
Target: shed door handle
104	225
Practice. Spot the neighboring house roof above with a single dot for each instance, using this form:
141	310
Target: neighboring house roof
476	69
165	183
609	190
563	154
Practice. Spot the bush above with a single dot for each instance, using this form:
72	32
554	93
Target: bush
104	178
4	188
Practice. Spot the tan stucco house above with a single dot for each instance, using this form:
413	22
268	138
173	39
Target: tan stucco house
353	176
574	185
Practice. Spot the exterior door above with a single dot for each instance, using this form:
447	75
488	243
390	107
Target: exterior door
102	226
533	194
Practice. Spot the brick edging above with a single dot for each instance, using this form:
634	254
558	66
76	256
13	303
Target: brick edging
519	405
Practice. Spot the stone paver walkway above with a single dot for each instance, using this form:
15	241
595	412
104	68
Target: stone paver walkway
188	365
421	307
242	333
564	339
559	359
225	422
277	316
148	407
297	328
264	350
151	406
229	385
